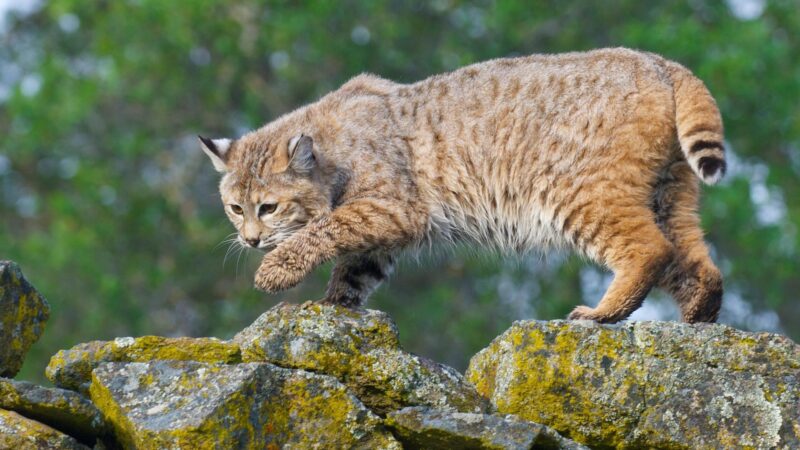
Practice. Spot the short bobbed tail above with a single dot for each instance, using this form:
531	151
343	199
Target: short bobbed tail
699	125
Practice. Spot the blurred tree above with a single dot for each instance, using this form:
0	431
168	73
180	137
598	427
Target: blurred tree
111	209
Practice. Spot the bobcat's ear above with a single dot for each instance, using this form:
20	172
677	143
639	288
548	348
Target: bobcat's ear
301	154
216	149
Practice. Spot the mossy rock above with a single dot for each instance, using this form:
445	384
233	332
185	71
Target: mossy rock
186	404
23	315
61	409
20	433
647	384
72	369
361	349
429	428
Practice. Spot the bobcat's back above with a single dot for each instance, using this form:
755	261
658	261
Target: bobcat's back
512	151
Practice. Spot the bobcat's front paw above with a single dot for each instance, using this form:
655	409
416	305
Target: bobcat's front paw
279	274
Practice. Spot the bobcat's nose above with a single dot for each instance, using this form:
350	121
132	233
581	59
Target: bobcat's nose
253	242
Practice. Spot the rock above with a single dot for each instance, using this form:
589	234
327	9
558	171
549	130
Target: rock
72	369
426	428
361	349
23	314
647	384
21	433
64	410
186	404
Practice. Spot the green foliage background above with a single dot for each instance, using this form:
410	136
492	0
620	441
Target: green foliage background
111	208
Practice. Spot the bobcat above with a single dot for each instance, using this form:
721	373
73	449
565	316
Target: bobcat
599	151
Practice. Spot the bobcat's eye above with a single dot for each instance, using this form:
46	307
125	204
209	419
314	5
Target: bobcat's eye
267	208
236	209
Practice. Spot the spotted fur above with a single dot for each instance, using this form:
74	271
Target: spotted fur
600	152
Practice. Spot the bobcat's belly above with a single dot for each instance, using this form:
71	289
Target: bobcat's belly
526	228
533	229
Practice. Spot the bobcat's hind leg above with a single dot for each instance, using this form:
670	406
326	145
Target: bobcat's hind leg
692	278
355	277
636	250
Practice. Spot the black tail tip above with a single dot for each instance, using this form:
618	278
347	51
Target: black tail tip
712	168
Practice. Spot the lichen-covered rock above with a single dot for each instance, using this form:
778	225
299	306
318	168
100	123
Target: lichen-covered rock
647	384
192	405
61	409
20	433
23	314
361	349
428	428
72	369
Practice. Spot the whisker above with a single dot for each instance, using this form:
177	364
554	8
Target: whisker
231	246
241	250
247	259
227	241
228	238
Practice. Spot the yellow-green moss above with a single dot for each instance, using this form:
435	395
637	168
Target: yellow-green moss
148	348
209	434
72	368
549	387
359	348
20	433
640	385
59	408
112	414
259	406
23	315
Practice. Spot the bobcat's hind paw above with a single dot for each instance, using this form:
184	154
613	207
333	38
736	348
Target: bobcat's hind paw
582	313
587	313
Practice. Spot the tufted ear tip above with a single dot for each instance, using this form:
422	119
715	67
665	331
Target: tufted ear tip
205	141
217	150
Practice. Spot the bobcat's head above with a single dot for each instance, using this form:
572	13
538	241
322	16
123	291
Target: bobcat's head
270	189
